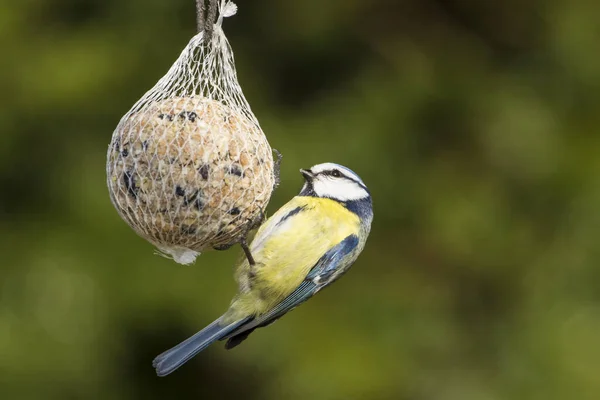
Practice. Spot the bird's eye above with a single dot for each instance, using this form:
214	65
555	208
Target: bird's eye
336	174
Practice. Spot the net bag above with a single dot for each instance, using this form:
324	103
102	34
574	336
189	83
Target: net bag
188	167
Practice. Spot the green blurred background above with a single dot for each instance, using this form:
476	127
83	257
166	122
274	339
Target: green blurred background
474	123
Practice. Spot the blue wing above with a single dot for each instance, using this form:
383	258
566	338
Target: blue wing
331	261
318	277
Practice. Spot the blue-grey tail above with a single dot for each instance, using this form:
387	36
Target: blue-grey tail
175	357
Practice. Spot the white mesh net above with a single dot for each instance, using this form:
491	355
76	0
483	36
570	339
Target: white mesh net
189	167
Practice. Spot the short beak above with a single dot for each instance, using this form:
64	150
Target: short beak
308	175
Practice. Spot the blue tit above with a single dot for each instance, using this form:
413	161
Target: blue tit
302	248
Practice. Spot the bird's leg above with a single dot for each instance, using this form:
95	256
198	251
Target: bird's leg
247	251
255	223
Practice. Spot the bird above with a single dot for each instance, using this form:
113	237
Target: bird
302	248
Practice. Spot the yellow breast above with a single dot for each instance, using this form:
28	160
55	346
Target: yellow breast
287	246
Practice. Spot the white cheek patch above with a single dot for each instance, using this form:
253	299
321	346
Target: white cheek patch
339	189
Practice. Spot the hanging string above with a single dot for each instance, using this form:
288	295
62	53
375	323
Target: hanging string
211	17
200	10
205	20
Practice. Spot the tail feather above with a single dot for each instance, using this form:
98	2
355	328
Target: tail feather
175	357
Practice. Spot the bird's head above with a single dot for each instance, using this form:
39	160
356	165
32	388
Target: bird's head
335	182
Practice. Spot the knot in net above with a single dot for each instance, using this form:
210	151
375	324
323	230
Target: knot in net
188	167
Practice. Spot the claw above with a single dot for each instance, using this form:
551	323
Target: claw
222	247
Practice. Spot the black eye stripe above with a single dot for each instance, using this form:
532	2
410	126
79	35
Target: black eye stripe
342	175
335	173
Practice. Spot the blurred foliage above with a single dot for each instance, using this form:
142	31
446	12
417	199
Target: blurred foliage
475	124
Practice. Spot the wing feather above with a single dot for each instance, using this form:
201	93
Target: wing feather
321	275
